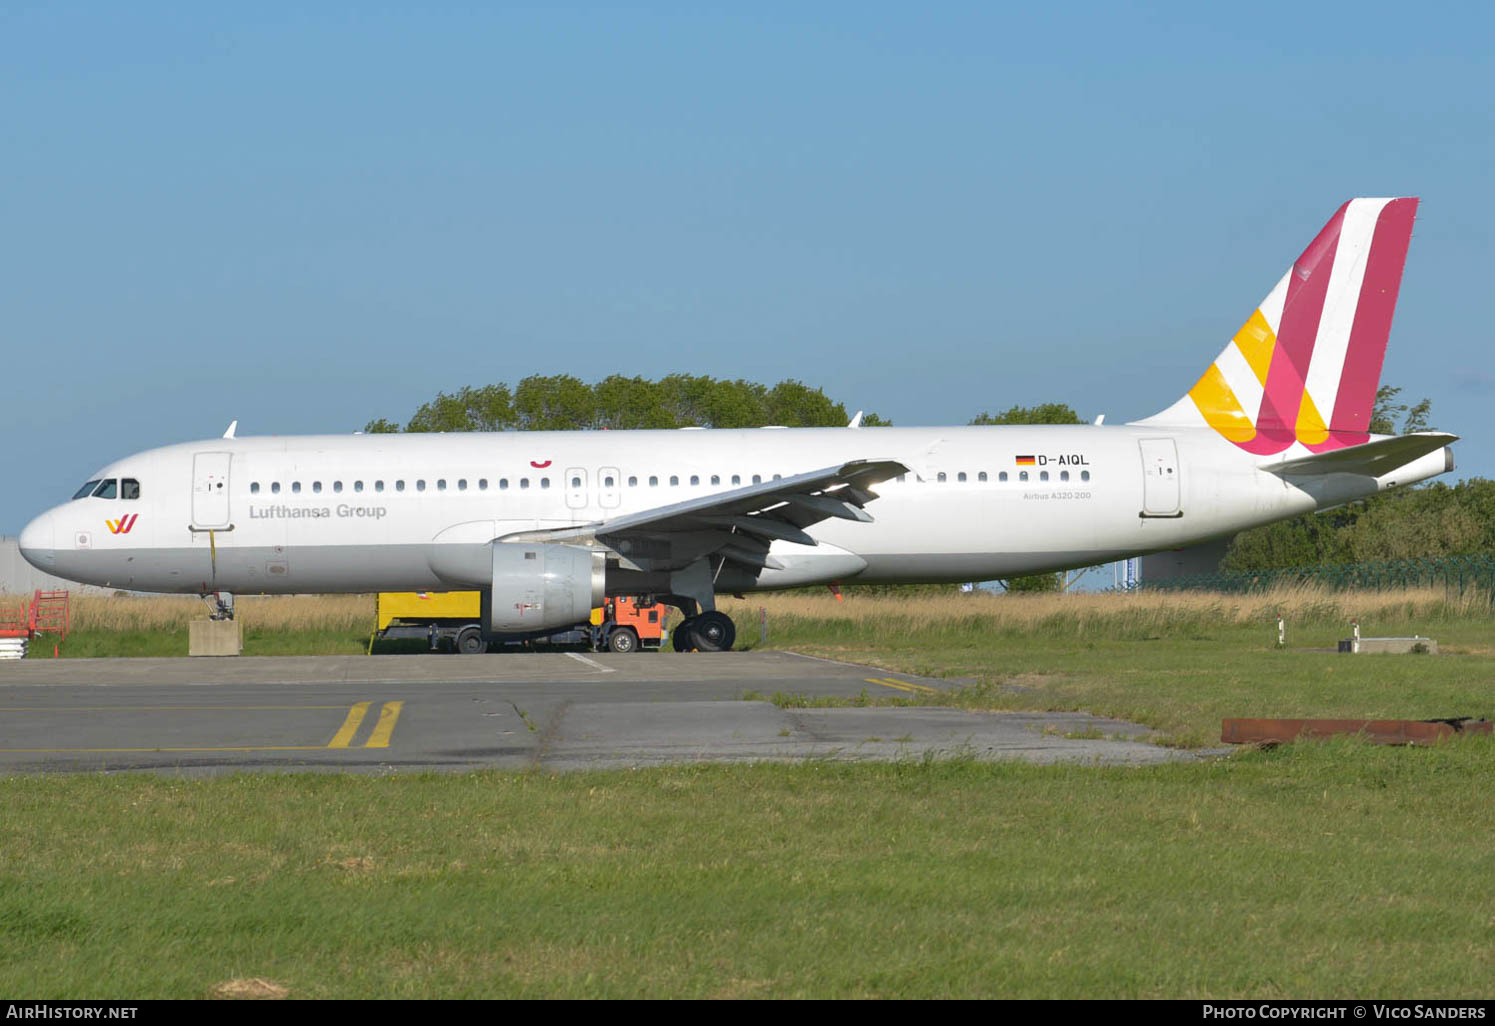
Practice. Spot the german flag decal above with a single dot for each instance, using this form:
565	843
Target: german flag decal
1025	461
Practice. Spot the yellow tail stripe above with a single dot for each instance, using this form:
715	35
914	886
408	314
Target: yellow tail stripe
386	725
350	726
1256	340
1311	429
1222	410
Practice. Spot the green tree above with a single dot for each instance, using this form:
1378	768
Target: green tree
563	402
795	404
1384	412
1032	584
1044	413
489	408
627	404
554	402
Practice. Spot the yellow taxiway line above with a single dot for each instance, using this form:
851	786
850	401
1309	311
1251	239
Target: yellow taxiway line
389	714
903	685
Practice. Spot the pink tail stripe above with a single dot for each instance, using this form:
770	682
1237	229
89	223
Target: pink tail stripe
1286	377
1350	422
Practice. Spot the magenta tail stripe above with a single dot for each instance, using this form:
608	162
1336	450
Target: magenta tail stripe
1350	421
1277	423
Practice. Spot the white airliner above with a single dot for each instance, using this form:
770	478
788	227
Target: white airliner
545	523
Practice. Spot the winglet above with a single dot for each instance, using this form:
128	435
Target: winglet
232	427
856	421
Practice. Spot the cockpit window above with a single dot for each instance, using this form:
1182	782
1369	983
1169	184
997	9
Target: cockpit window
129	488
87	489
106	489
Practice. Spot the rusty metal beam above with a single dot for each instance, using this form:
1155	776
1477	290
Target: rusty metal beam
1245	731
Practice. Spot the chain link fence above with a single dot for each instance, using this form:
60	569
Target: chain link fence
1457	575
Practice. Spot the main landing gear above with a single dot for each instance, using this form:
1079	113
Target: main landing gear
708	632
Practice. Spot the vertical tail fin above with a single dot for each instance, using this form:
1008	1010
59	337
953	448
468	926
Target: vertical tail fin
1305	366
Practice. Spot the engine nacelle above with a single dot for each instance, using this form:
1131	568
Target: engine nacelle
543	587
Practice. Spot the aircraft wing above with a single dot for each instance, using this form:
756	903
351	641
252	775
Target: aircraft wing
738	524
1373	459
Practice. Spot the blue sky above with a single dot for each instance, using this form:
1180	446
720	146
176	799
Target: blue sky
304	219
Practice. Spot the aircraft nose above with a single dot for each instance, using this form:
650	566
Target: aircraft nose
38	543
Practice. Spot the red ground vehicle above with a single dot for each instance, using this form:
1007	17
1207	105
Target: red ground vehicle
625	625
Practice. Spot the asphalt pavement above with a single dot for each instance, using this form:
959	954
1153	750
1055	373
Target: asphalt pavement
554	711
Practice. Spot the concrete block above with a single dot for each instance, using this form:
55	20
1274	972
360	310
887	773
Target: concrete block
215	638
1398	646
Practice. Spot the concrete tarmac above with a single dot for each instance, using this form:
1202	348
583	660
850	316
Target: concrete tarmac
556	711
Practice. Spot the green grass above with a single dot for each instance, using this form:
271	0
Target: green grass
1319	870
1335	869
1180	679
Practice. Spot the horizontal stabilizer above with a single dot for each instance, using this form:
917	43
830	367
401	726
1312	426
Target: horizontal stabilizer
1372	459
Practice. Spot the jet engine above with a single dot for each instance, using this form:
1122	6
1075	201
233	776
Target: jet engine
542	587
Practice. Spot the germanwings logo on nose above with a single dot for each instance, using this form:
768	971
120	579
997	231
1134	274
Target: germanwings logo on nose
123	524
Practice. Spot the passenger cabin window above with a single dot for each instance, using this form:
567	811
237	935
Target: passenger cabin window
420	485
316	486
961	476
737	479
981	476
633	482
441	484
399	486
378	486
544	482
87	489
674	481
503	484
1043	475
254	488
524	482
275	488
653	481
1064	475
461	484
107	489
1084	475
337	486
940	477
358	486
1002	476
695	479
716	479
482	484
757	479
129	488
1022	475
296	487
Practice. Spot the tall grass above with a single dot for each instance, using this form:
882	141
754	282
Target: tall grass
1116	615
328	623
262	612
